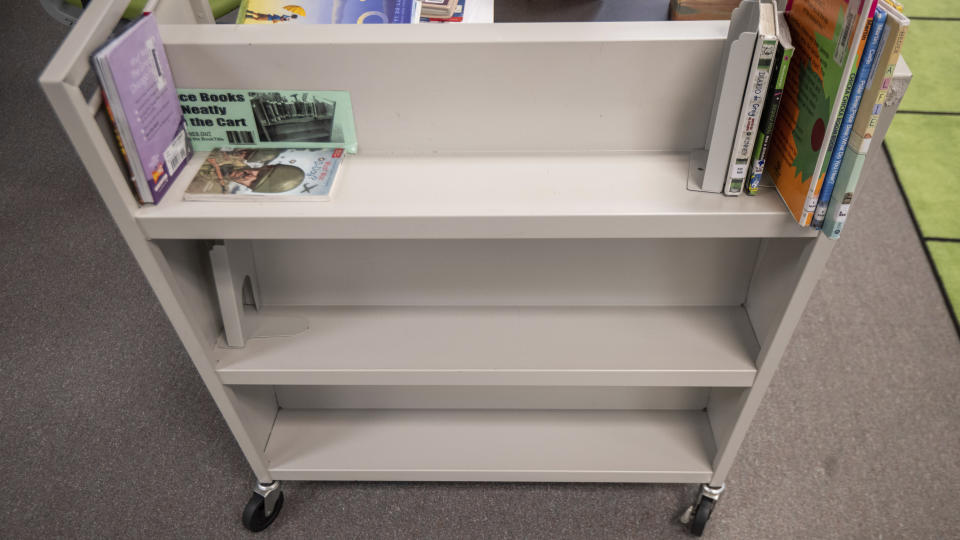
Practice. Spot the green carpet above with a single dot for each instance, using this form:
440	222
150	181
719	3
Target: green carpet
927	167
931	49
946	257
923	140
932	8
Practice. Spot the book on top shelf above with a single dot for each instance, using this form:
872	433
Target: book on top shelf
267	173
894	32
218	118
848	177
459	10
328	12
440	9
771	107
825	34
142	100
851	78
864	70
753	99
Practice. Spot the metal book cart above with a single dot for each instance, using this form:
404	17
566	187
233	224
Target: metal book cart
518	288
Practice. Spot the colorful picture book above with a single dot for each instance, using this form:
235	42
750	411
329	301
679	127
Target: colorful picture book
871	104
459	9
142	101
894	32
276	174
825	35
218	118
328	11
440	9
864	70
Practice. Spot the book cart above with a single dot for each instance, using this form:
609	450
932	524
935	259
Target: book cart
513	283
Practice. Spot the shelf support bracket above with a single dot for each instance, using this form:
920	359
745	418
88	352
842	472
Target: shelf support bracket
238	293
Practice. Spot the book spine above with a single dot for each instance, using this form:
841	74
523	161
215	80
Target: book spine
843	195
848	89
889	64
768	120
242	12
754	96
869	107
863	74
814	199
866	8
120	147
848	178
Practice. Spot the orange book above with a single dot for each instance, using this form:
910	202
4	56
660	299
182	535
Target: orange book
826	35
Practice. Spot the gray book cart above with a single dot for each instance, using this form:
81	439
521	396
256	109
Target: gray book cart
513	282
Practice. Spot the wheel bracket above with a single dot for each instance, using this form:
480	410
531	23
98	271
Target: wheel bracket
270	493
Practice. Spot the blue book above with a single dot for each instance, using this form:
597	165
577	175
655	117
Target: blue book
849	116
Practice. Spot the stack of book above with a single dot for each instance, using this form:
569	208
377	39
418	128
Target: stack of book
281	145
141	99
817	84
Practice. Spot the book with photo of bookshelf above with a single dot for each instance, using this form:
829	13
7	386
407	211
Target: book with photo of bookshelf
297	118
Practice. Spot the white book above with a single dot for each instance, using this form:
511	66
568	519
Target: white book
753	98
275	174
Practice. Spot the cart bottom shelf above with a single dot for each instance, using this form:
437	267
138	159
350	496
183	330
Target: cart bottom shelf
491	445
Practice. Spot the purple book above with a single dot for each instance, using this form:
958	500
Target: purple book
136	80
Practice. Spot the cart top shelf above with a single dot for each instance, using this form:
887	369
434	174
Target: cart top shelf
498	195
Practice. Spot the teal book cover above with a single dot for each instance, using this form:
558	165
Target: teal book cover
218	118
842	197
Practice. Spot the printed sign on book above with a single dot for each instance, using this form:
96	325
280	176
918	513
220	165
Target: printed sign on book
268	118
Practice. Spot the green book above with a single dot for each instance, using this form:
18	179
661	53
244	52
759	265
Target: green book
769	118
217	118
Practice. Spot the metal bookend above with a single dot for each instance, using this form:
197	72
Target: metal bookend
708	167
238	293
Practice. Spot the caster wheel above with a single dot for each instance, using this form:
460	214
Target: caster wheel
254	515
702	515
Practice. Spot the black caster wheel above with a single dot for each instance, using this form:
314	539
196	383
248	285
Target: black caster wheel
254	515
701	516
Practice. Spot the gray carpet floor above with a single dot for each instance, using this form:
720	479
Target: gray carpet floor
107	431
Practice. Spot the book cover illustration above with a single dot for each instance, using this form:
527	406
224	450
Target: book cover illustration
823	33
291	174
864	70
456	16
872	103
137	82
440	9
327	11
769	118
268	119
875	95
